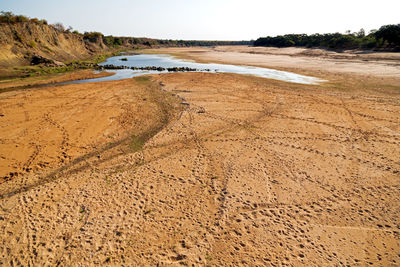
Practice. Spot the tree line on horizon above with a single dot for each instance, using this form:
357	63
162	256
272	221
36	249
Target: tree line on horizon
386	37
114	41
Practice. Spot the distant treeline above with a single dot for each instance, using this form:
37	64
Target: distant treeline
387	37
203	43
134	41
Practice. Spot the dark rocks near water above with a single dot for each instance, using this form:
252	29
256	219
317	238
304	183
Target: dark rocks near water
36	60
39	60
153	68
83	65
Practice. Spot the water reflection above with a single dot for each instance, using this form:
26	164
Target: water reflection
167	61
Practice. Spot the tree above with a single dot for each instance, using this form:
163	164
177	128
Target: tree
59	26
7	15
389	33
361	33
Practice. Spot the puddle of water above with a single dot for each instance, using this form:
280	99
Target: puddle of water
118	75
167	61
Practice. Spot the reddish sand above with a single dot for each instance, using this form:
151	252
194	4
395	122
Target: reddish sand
243	170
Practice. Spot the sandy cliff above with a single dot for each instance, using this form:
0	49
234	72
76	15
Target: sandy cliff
20	42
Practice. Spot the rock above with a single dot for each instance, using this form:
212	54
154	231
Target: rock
36	60
58	63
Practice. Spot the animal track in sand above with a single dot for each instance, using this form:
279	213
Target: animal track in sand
248	173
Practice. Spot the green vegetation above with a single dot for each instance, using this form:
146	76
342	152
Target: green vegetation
18	37
42	70
389	34
87	63
9	17
92	36
387	37
142	79
137	143
112	41
32	71
201	43
133	42
32	44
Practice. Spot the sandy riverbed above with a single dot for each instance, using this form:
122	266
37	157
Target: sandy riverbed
301	60
247	171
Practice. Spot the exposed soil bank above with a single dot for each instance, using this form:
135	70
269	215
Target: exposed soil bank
21	42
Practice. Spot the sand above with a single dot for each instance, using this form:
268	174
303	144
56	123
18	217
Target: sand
29	82
243	171
300	60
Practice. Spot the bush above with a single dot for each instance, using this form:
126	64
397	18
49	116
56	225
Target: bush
369	42
18	37
9	17
390	34
92	36
112	41
59	26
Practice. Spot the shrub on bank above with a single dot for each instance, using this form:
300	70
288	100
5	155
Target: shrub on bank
9	17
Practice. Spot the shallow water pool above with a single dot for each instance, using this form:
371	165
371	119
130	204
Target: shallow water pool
167	61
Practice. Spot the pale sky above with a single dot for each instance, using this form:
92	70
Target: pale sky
210	19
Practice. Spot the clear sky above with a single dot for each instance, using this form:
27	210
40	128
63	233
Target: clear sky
210	19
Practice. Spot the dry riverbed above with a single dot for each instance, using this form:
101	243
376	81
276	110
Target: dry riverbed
236	170
299	60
